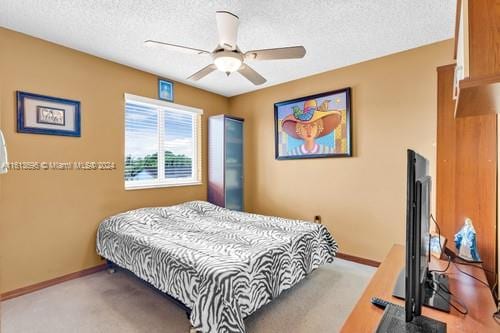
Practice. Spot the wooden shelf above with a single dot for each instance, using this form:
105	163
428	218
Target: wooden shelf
478	96
485	80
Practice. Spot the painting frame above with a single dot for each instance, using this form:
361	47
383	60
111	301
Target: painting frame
437	246
31	121
165	90
348	125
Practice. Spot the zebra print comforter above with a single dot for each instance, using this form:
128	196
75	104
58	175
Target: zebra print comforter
220	263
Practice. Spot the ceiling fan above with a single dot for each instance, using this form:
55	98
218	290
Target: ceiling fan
227	57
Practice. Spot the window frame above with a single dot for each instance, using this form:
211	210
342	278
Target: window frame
161	181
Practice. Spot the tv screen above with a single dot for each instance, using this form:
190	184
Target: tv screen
417	232
425	191
416	284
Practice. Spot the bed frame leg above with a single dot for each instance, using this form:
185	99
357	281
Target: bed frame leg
110	267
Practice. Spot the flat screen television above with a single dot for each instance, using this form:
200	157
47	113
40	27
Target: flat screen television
417	233
416	284
415	281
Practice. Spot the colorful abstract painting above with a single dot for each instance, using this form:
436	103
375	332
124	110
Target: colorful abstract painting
314	126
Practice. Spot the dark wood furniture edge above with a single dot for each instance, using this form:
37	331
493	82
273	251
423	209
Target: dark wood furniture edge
44	284
359	260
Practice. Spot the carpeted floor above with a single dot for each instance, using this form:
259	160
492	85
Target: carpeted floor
119	302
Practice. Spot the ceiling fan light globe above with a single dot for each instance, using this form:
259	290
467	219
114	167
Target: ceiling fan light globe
228	62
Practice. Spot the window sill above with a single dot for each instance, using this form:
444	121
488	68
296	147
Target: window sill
153	186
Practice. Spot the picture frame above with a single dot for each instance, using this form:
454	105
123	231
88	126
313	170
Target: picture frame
165	90
40	114
437	246
314	126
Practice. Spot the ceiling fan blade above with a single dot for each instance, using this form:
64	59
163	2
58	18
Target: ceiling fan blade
227	25
293	52
173	47
202	72
251	75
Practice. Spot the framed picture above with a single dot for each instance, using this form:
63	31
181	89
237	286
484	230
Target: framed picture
40	114
314	126
437	246
165	90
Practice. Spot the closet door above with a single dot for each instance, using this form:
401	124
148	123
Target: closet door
233	163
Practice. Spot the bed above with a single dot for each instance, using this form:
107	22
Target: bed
221	264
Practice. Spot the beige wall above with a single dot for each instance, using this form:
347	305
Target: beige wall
361	199
48	219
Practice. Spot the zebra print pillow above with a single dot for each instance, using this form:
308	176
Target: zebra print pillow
222	264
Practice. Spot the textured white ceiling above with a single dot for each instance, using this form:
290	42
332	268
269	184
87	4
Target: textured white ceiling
335	33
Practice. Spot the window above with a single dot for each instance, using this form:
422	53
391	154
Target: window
162	143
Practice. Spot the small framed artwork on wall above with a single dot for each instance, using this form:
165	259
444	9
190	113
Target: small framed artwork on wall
39	114
165	90
314	126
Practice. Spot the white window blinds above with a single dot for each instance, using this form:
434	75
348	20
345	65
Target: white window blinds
162	143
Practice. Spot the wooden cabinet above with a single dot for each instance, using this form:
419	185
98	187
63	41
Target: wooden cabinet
466	178
225	161
477	51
